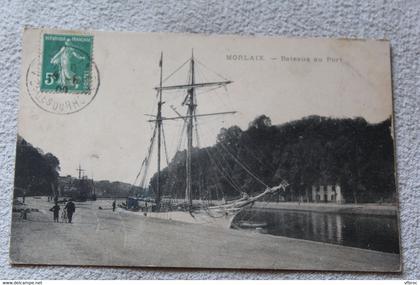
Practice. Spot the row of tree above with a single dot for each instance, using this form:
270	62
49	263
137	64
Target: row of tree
105	188
36	173
312	151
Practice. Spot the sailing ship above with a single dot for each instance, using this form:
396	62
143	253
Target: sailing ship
81	188
220	214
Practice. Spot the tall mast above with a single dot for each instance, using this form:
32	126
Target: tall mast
190	101
190	125
80	171
159	126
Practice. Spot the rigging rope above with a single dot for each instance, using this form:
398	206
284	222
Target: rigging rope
196	131
221	170
147	160
164	145
215	180
228	177
170	75
238	161
219	166
202	64
253	154
221	98
181	138
260	153
244	167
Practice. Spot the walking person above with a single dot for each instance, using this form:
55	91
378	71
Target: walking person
71	208
114	205
56	211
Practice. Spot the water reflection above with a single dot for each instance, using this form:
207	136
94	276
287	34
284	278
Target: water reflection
363	231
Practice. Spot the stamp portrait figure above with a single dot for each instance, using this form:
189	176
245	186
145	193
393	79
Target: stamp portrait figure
63	59
66	63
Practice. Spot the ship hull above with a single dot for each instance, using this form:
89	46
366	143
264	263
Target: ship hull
202	217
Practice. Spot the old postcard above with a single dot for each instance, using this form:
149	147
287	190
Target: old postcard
177	150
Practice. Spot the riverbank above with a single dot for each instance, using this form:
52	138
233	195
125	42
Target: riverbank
365	209
106	238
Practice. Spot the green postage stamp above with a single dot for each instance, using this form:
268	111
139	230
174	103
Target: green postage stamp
66	63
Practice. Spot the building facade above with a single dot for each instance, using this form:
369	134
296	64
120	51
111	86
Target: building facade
327	194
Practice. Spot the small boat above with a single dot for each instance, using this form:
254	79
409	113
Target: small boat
252	225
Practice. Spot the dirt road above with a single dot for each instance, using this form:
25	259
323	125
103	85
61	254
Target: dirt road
103	237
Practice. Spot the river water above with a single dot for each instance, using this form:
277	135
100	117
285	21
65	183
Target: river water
363	231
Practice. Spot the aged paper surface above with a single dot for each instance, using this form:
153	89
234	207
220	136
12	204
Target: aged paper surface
181	150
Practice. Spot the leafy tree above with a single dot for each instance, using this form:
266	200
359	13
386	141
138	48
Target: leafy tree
36	173
315	150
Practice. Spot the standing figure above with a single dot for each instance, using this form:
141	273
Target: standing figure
62	59
113	206
56	211
71	208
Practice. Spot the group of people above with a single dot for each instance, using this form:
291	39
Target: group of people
67	213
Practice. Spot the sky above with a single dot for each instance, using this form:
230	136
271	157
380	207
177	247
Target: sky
110	137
